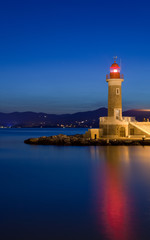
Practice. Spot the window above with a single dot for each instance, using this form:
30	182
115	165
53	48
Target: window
117	91
131	131
117	113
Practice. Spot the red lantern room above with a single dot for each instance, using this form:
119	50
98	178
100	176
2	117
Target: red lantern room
114	70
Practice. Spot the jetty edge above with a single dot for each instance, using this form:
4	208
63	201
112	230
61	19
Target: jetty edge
80	140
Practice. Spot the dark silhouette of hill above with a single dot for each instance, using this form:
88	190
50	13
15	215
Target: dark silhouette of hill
80	119
139	114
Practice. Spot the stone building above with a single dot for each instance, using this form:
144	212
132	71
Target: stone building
115	125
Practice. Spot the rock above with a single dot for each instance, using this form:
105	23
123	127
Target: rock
32	140
79	140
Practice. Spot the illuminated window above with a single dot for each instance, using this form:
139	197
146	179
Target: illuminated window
115	70
117	91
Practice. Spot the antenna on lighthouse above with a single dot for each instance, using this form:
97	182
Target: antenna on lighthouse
115	58
120	63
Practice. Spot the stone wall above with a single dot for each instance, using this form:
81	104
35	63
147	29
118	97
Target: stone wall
114	100
94	133
119	130
133	130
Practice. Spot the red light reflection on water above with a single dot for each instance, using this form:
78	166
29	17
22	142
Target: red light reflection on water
113	200
115	215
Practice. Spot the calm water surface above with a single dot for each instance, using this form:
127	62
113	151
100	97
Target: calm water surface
56	193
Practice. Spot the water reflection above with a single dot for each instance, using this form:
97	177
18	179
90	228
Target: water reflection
114	203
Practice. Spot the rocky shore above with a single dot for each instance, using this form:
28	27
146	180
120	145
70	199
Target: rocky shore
79	140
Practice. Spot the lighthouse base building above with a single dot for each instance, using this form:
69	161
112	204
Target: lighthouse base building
115	126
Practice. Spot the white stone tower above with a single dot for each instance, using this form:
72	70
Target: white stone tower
114	80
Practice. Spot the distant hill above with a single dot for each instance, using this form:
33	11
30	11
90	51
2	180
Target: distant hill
139	114
80	119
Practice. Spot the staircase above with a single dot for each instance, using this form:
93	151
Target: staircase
144	127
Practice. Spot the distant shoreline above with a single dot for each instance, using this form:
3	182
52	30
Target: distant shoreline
87	119
39	127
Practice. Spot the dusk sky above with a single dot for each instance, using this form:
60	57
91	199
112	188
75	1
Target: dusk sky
54	55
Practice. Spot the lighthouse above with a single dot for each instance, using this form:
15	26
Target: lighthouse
114	79
115	126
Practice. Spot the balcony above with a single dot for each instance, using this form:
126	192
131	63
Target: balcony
108	76
112	119
129	119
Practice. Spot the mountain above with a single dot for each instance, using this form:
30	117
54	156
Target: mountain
80	119
32	119
139	114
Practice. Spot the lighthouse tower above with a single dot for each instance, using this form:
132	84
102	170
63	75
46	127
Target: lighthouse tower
114	80
114	126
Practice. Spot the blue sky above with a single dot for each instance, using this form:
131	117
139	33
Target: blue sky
54	55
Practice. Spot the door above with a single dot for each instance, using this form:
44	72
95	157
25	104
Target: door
122	132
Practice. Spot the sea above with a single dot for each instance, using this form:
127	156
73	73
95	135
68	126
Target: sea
72	192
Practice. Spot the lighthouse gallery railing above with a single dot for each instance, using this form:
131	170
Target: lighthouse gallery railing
108	76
